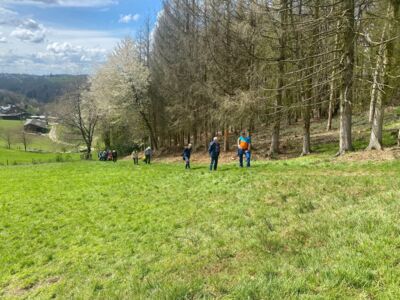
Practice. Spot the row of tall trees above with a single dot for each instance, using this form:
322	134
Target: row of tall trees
223	64
219	66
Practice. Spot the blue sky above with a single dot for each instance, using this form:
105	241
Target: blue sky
66	36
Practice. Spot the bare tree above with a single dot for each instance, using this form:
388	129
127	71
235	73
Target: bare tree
25	139
8	136
78	110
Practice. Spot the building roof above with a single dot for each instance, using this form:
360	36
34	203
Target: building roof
13	115
12	110
37	123
5	108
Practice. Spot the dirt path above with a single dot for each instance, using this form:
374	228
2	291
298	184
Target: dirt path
54	138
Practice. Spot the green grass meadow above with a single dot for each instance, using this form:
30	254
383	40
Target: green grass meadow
17	157
41	149
306	228
36	142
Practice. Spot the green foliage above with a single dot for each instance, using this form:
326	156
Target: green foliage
304	228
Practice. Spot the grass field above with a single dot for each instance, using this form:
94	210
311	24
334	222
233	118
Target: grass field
18	157
40	148
306	228
36	142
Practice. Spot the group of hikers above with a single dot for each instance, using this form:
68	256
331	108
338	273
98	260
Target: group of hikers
243	151
148	153
112	155
108	155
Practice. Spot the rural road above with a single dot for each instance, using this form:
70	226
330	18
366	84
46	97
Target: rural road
53	136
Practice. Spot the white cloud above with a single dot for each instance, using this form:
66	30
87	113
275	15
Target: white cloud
14	63
66	52
7	16
29	31
56	58
129	18
28	46
2	38
64	3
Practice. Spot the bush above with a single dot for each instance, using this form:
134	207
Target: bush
397	111
59	158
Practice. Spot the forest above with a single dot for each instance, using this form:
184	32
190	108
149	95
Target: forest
24	89
216	67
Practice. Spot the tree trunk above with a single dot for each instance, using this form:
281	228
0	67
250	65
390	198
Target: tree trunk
346	90
380	87
309	88
195	137
306	126
88	151
226	139
274	149
331	100
150	128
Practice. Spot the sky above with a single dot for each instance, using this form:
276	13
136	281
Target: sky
66	36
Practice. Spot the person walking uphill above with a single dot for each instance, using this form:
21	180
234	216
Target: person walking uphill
114	155
214	150
135	157
244	147
186	155
147	154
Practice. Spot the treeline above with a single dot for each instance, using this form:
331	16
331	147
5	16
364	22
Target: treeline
219	66
42	89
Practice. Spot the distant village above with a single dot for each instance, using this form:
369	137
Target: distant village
33	123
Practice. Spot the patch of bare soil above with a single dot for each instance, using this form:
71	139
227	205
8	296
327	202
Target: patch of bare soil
373	155
199	157
22	291
229	157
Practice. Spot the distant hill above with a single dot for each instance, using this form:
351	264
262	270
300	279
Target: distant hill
23	89
30	105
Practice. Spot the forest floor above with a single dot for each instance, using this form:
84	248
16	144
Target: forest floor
325	144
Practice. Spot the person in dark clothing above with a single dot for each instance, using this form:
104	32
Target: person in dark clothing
148	154
186	155
214	150
109	155
114	155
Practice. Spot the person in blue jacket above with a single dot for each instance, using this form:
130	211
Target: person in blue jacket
186	155
214	150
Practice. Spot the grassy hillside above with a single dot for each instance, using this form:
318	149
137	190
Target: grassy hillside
305	228
40	147
17	157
